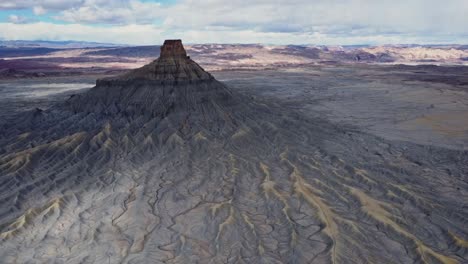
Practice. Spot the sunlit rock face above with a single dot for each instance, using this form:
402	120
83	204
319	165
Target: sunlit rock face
165	164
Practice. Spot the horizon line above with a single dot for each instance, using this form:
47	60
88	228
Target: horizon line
238	43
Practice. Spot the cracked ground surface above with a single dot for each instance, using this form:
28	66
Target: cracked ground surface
249	175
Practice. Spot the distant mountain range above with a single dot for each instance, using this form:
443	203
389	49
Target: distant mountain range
245	54
46	56
86	44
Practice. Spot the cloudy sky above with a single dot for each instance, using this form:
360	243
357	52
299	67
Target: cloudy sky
237	21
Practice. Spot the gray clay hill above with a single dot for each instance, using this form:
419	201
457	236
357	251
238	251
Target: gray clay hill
165	164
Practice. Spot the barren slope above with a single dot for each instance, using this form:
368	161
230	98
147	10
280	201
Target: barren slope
167	165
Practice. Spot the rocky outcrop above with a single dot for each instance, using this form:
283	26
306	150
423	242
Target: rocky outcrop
173	49
172	67
173	82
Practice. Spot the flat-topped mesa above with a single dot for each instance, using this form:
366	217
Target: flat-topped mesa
173	48
172	67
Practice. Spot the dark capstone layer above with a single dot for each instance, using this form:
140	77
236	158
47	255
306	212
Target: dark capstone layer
173	48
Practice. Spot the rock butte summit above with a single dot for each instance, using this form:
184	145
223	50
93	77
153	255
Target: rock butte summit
173	48
172	66
171	82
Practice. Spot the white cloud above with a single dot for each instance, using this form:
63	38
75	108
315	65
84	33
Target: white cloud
339	17
39	10
293	21
135	34
132	12
17	19
47	4
152	35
